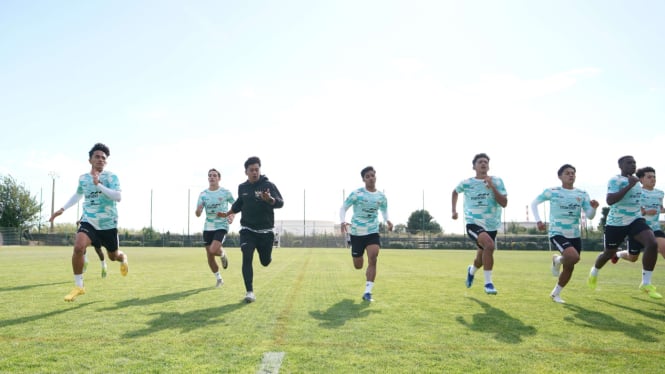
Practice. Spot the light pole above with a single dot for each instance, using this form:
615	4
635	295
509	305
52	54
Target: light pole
53	175
41	205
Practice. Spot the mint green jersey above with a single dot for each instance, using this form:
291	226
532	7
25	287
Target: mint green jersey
98	209
628	209
215	201
566	209
480	206
652	200
366	208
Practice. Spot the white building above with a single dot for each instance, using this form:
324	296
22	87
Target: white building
296	227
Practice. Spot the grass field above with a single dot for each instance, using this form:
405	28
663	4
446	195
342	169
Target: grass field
166	316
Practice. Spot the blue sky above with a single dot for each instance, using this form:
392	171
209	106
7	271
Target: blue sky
320	89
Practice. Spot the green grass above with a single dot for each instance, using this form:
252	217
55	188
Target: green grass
166	316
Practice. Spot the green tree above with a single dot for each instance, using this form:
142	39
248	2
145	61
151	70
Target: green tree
399	228
150	234
515	228
17	208
421	220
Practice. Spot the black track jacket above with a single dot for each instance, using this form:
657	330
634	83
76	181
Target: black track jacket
256	213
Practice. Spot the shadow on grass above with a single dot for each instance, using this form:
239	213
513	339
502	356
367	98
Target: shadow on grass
605	322
657	316
35	317
185	322
154	300
29	286
495	321
339	313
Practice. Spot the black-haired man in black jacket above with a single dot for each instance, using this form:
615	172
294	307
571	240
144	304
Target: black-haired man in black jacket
257	199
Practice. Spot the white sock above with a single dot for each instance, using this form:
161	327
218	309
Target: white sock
218	275
368	286
646	276
103	263
488	276
78	280
594	271
556	290
85	258
473	270
622	254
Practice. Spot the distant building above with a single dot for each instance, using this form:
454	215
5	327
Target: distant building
525	224
295	227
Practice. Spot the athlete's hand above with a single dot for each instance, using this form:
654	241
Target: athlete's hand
95	177
55	214
265	196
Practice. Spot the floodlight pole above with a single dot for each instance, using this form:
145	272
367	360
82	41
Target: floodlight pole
422	216
41	205
53	175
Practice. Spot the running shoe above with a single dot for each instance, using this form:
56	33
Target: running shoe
74	293
124	267
469	277
650	290
220	282
249	297
592	281
557	299
367	297
104	270
490	290
556	269
225	260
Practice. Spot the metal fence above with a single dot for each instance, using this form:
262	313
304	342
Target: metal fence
11	236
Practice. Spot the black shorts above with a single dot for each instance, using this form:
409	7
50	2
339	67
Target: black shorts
209	236
474	232
561	243
634	247
614	236
107	238
359	243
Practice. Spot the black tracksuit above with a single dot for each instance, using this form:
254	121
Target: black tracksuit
257	221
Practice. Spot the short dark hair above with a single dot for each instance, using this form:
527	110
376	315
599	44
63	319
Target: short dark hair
642	171
479	155
216	171
99	147
564	167
366	170
622	158
252	160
